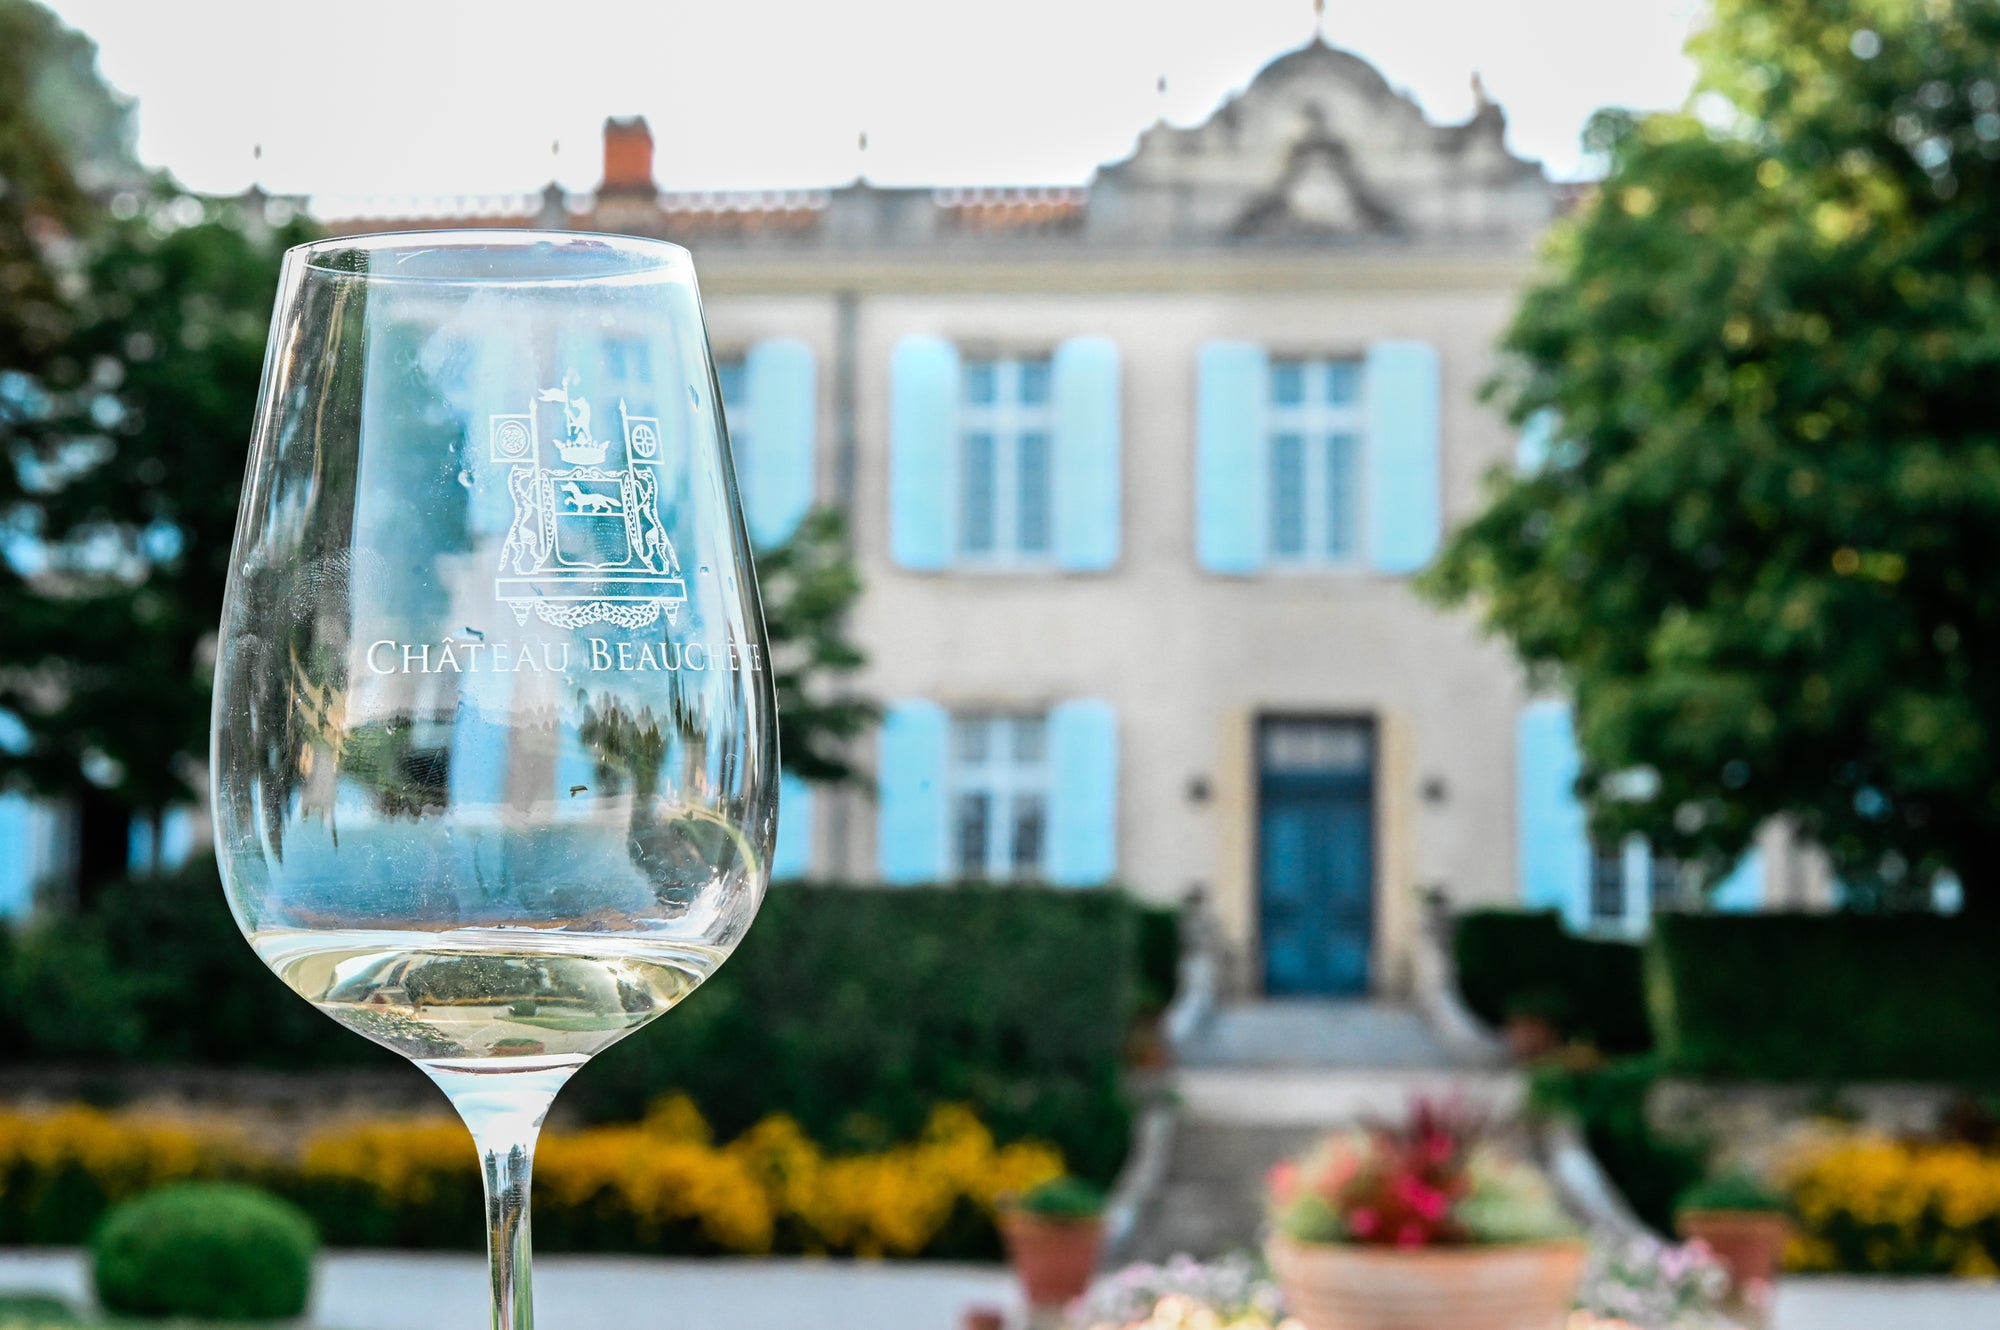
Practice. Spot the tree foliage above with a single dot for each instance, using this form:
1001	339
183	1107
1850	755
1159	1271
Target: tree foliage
1760	550
121	500
809	587
61	131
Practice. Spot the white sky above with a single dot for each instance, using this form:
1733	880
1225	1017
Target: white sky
378	97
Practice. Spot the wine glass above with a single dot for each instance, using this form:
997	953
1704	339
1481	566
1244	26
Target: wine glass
495	756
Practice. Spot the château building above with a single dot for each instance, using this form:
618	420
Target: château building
1137	474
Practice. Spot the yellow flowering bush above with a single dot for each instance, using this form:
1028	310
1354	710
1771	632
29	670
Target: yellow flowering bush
1876	1205
660	1185
59	1170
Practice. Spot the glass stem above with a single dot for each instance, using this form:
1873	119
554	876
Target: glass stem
504	1110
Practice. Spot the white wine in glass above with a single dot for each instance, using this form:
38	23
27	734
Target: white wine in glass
495	759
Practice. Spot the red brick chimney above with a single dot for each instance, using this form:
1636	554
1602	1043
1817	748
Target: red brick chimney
628	157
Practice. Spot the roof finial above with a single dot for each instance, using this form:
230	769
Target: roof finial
1319	21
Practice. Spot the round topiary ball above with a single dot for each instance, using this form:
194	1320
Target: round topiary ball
214	1249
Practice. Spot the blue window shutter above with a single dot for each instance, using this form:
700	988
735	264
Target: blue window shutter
910	785
1083	794
36	841
784	408
139	846
1743	889
923	453
791	857
1087	454
1400	406
176	837
1232	462
1551	826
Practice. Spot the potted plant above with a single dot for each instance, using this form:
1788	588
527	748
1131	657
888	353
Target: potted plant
1743	1222
1420	1226
1053	1233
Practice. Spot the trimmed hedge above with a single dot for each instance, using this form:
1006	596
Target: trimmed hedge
857	1009
1827	997
1514	961
853	1009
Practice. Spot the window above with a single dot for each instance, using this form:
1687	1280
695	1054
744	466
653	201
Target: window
1315	441
999	786
1629	882
1005	483
1607	884
628	361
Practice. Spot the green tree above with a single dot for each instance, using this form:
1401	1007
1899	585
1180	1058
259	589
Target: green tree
62	132
121	503
1761	548
809	586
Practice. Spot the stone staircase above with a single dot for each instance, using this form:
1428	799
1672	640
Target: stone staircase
1258	1081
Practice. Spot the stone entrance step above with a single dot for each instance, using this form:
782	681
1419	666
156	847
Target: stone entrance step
1311	1033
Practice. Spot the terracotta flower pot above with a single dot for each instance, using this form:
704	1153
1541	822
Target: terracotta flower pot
1053	1258
1338	1286
1749	1243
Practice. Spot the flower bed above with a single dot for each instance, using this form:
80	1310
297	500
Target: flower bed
1872	1205
659	1186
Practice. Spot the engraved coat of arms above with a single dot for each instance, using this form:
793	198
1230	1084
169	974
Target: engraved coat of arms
587	544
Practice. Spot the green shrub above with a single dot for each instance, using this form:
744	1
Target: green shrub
1652	1172
1731	1190
1159	960
157	972
854	1009
1826	998
215	1249
1524	963
1063	1198
36	1311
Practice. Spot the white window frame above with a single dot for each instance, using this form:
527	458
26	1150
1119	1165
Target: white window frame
1317	421
1634	874
1008	782
1007	421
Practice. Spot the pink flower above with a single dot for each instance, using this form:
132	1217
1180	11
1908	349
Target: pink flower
1363	1222
1283	1180
1427	1201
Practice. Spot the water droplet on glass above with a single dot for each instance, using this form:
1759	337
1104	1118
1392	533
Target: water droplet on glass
694	397
704	568
465	479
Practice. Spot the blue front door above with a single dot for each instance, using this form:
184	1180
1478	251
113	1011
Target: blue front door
1316	854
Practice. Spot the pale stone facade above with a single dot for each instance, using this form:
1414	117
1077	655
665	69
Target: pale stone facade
1316	214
